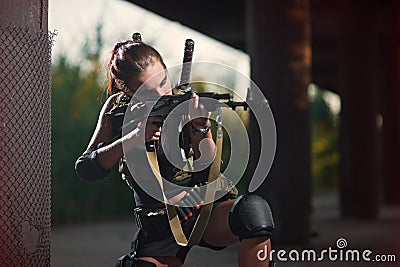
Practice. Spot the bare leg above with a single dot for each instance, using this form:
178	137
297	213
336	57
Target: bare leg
254	252
163	261
218	233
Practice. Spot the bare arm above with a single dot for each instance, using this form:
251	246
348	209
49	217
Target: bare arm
92	164
102	153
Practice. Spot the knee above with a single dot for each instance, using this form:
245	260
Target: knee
251	216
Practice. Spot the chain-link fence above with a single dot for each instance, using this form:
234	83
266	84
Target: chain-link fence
24	147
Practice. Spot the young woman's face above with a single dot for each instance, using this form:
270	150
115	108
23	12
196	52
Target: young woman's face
158	85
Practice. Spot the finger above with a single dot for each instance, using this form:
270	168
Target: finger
152	136
195	100
204	112
154	132
156	127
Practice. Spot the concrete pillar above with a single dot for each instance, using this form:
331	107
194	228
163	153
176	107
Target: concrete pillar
278	41
359	186
25	133
390	95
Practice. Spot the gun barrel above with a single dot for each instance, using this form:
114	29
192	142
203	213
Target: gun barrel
187	65
216	96
165	104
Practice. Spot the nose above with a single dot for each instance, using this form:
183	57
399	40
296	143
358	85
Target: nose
164	90
159	91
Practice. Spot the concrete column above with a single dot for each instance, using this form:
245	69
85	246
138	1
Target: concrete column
32	14
359	159
390	95
278	41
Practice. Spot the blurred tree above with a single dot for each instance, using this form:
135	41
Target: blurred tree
76	101
325	155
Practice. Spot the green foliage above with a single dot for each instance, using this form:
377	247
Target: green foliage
325	155
76	102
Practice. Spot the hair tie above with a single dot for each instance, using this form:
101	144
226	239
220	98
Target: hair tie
137	37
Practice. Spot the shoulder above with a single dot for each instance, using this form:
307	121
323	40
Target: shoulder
111	101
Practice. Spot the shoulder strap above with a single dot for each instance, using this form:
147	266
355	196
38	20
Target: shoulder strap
205	212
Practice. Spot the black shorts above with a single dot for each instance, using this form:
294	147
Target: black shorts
155	238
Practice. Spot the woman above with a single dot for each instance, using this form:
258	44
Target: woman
131	65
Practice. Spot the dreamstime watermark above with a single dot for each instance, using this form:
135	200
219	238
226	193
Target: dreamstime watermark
333	254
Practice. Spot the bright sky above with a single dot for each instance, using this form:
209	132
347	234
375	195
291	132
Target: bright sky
75	20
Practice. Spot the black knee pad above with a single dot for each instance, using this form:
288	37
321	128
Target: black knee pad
251	216
127	261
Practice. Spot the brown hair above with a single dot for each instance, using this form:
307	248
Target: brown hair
129	59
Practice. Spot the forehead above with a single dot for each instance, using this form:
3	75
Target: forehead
154	71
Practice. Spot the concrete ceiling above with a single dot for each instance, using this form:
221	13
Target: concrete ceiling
222	20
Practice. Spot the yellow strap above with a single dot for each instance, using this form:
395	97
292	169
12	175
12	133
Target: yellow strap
205	212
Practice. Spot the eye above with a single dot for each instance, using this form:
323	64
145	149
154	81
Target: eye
164	81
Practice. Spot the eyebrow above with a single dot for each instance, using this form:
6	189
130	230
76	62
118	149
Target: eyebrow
162	81
165	78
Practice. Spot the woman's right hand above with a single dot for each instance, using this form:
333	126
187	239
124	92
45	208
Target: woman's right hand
153	129
144	132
